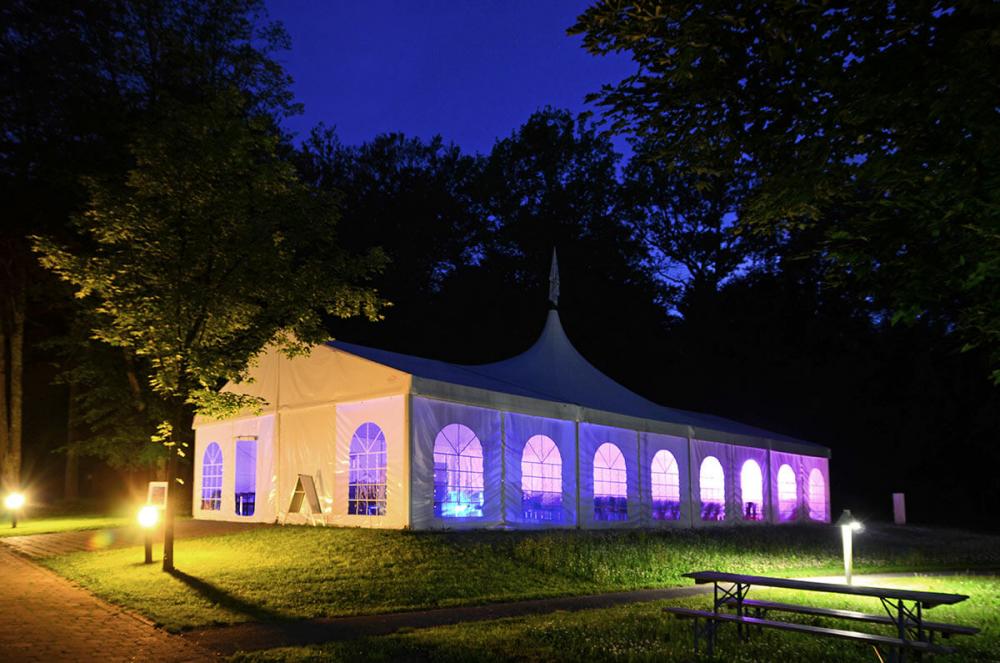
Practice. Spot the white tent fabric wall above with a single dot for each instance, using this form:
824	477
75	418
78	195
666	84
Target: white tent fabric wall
800	466
518	430
226	434
649	445
307	445
388	414
592	437
429	419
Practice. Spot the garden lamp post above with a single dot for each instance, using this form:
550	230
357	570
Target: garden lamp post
14	503
149	516
848	526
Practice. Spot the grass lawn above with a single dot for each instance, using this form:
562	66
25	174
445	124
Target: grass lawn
642	633
60	523
301	572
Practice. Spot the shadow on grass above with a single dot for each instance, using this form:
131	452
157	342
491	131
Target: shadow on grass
220	597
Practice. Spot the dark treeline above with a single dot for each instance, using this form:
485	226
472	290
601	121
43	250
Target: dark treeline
660	288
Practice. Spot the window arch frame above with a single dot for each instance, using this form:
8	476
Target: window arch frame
665	486
213	499
712	510
374	494
787	506
610	483
462	461
812	499
541	480
752	511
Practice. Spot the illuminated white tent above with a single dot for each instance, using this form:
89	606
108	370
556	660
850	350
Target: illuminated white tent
543	439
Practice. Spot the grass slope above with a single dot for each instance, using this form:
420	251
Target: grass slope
301	572
48	525
642	633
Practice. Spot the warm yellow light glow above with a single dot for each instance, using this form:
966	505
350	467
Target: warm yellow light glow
148	516
14	501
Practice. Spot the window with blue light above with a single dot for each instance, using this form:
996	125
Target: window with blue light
752	490
458	473
366	488
246	477
610	484
541	480
788	494
211	478
666	486
712	481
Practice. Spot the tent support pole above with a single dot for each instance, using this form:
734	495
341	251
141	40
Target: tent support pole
503	467
576	429
638	468
691	501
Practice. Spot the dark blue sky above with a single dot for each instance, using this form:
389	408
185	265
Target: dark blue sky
470	70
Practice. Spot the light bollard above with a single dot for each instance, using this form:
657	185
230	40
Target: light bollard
848	526
14	503
149	516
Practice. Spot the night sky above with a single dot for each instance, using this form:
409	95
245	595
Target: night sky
470	71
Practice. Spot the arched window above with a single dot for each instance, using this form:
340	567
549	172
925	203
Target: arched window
366	487
458	473
610	484
788	494
666	486
712	481
817	495
752	489
211	478
541	479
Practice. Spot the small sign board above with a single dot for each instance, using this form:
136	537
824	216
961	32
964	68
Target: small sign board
156	494
305	491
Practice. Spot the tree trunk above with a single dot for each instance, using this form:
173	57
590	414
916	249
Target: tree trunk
13	460
4	405
168	515
71	480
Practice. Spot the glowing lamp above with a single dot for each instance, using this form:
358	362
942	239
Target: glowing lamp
14	501
848	525
149	515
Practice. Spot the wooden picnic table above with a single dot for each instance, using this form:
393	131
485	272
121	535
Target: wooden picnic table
904	608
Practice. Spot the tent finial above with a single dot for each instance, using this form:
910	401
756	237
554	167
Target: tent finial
554	281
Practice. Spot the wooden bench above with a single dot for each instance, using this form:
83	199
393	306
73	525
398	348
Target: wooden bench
712	618
904	612
762	607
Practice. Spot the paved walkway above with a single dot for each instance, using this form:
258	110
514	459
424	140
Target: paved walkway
46	618
255	636
60	543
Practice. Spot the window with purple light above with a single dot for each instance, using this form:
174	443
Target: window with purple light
245	492
610	484
458	473
752	489
817	495
712	481
211	478
541	480
366	488
788	494
666	486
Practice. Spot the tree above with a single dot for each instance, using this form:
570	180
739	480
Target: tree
414	199
209	250
873	122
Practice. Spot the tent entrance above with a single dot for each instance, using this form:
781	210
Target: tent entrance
246	476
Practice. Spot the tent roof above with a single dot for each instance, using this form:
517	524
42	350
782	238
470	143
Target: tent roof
552	370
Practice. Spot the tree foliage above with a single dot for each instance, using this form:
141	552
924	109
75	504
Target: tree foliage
875	122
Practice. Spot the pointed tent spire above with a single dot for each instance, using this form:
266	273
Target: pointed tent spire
554	281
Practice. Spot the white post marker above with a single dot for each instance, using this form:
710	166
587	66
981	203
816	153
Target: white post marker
848	526
899	508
